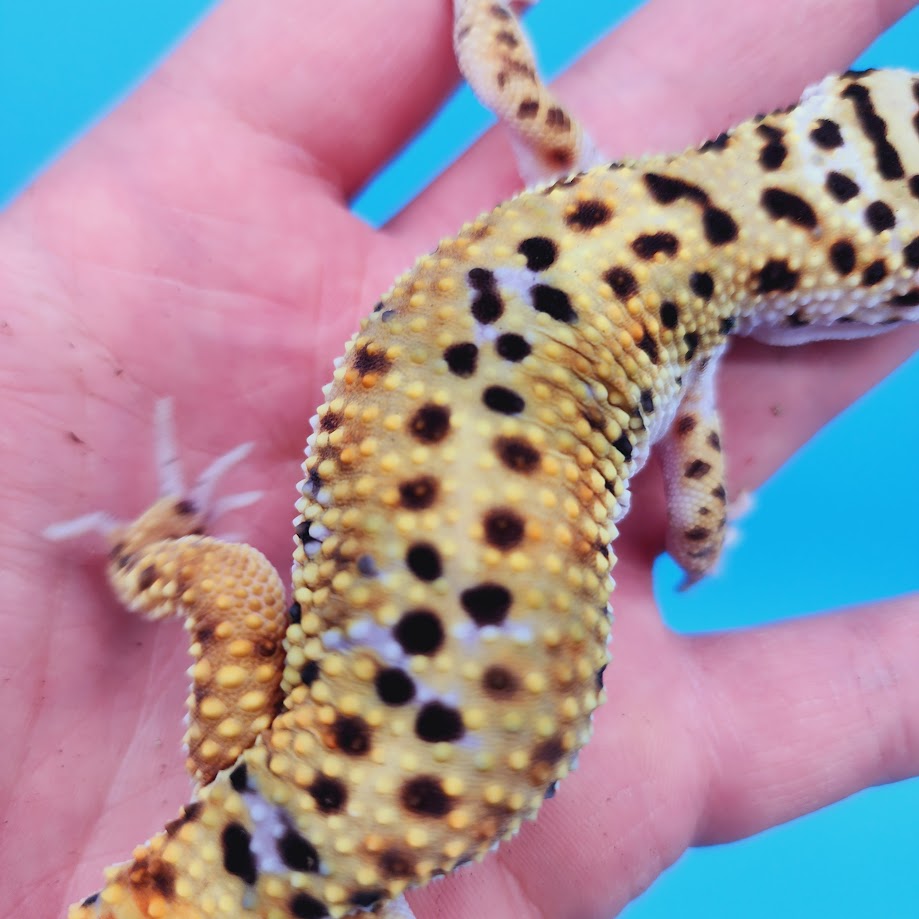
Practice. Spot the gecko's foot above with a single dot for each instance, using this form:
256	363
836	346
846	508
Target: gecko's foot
179	510
737	509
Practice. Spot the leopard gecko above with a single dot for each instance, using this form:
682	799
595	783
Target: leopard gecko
435	671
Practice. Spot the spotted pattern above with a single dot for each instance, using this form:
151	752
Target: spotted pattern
434	674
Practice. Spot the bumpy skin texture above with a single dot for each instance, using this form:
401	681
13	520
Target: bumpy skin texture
232	603
449	614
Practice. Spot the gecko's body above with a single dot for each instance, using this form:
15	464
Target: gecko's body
449	623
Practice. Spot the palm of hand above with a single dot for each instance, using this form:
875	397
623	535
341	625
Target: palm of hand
193	246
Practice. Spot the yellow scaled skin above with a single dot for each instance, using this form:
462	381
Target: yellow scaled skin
475	446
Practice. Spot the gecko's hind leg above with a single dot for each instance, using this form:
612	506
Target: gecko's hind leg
694	478
496	59
230	596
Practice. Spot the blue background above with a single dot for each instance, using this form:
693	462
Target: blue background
62	64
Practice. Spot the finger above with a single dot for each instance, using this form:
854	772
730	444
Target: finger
646	88
337	82
806	713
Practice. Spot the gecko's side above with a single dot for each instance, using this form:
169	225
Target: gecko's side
449	622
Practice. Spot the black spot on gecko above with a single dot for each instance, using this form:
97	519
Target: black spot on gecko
622	281
539	251
367	566
91	899
438	723
549	751
670	316
826	135
366	898
716	143
726	325
303	906
503	528
775	276
649	346
781	204
147	578
371	359
503	400
186	507
419	632
487	603
553	302
397	864
702	284
841	187
394	686
911	253
508	39
914	186
420	493
648	245
297	853
430	424
875	129
557	119
424	562
666	190
517	454
487	305
310	673
714	441
772	154
330	421
238	859
624	445
499	682
599	677
842	256
589	214
190	812
691	339
239	778
910	298
528	108
697	469
697	534
720	227
512	347
880	217
874	273
686	424
351	734
462	358
329	794
302	529
424	795
719	493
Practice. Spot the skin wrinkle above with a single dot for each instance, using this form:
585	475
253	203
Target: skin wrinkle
894	746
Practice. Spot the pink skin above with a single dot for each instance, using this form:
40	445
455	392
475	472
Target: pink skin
197	244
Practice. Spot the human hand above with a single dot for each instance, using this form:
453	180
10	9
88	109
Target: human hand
197	245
